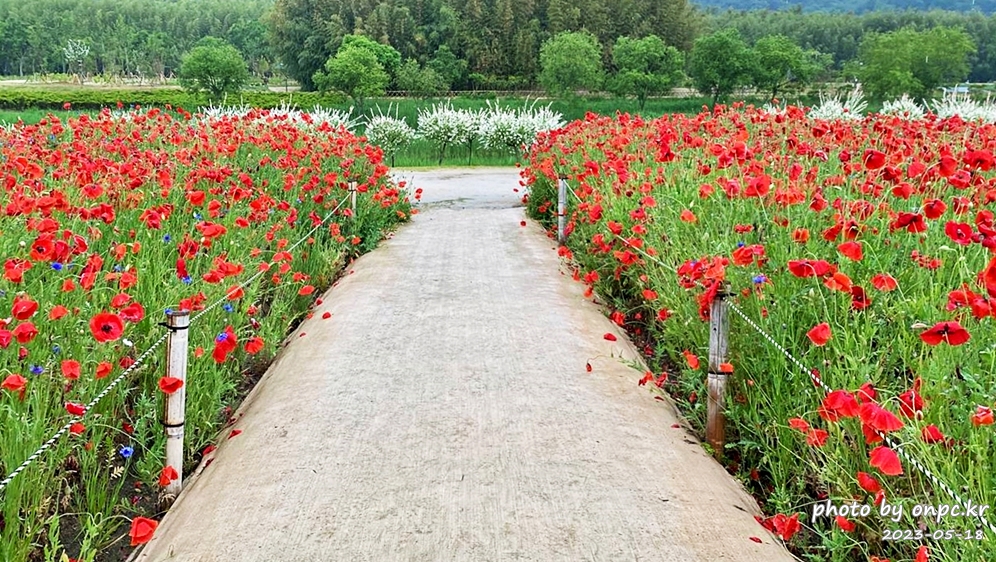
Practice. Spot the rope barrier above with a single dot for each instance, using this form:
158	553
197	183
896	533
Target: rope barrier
888	440
62	431
907	457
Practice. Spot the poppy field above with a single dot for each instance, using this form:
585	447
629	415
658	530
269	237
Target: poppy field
108	221
865	247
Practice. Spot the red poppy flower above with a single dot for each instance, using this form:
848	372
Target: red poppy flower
819	334
688	216
911	401
169	385
75	409
103	369
691	359
983	416
225	343
873	159
809	268
14	383
24	307
77	428
844	524
884	282
959	232
799	424
71	369
306	290
868	483
931	434
950	332
816	437
25	332
886	460
878	418
989	278
254	345
842	403
106	327
800	235
921	554
58	311
168	475
610	337
142	530
851	250
934	208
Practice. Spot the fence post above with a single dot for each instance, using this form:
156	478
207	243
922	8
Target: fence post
719	331
352	197
177	322
562	210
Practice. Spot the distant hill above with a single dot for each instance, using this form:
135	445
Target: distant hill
853	6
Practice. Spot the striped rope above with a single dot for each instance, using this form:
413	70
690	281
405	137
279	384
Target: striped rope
62	431
260	273
908	458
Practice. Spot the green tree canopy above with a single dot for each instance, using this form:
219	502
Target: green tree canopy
214	66
354	71
388	57
912	62
779	61
720	63
645	67
421	82
571	61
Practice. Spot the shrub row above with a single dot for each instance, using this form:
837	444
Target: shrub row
97	98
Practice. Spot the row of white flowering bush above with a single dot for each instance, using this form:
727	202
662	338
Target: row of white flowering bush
495	127
853	105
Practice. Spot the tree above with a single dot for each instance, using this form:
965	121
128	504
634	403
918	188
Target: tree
448	66
720	63
912	62
356	72
779	61
214	66
571	61
388	57
421	82
645	67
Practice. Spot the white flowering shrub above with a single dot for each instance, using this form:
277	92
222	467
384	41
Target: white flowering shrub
965	107
334	118
834	108
505	128
392	134
905	107
444	126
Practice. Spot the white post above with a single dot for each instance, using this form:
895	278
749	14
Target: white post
176	366
352	197
562	210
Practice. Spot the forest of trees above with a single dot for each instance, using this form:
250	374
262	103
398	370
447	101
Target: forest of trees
474	44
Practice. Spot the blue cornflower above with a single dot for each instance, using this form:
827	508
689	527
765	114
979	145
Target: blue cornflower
197	216
169	311
126	452
167	238
187	279
57	266
56	349
221	337
37	369
228	307
740	244
760	279
119	268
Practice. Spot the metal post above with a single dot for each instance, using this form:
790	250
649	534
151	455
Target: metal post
562	210
176	366
352	197
719	331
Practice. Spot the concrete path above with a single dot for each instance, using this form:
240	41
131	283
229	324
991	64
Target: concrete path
444	413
